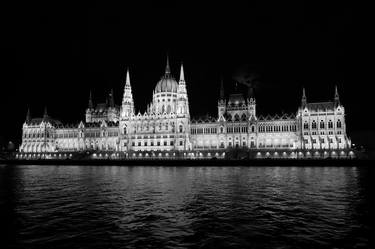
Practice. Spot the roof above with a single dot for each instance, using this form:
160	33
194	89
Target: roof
236	98
320	106
166	84
38	121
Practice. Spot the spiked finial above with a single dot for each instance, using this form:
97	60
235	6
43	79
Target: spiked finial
167	67
337	96
222	89
91	105
45	115
127	77
304	99
182	75
111	99
28	115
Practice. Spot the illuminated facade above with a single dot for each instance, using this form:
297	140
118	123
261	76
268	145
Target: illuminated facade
166	129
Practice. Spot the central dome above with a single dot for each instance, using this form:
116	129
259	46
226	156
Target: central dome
166	84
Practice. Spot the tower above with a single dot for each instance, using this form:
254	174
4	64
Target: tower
28	116
45	115
127	107
111	99
221	103
91	105
304	99
182	97
337	97
251	103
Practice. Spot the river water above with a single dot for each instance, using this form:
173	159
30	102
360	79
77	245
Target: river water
186	207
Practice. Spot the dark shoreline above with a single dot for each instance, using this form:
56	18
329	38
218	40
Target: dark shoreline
199	162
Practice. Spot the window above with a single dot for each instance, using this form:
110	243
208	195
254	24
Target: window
221	130
313	125
321	124
306	126
158	143
180	128
181	143
165	143
139	144
330	124
339	123
133	143
171	143
145	143
152	143
252	128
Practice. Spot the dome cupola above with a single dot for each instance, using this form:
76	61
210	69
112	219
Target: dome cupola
167	83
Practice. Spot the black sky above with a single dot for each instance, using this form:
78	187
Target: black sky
53	53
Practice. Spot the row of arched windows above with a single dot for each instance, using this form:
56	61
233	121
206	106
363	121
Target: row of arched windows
277	128
322	124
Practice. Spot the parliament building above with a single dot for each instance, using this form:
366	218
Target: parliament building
166	130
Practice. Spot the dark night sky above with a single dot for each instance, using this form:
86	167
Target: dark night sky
53	53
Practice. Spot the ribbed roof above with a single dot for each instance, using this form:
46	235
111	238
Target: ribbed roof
166	84
321	106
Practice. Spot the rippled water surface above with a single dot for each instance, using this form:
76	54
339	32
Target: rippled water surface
186	207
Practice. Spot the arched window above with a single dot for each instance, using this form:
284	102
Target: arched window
339	123
253	128
125	130
306	126
221	129
313	125
169	109
330	124
236	117
180	128
321	124
162	109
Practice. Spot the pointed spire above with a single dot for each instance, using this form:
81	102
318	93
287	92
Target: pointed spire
182	75
91	105
304	99
28	115
222	88
45	115
111	99
167	67
127	77
250	92
337	96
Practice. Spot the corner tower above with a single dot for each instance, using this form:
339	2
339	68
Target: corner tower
127	107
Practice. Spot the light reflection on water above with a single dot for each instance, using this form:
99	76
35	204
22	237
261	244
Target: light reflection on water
186	207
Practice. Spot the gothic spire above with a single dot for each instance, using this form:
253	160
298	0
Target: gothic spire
304	99
45	115
91	105
167	67
28	115
127	77
337	97
182	75
111	99
222	89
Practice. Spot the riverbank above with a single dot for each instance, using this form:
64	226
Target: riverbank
197	162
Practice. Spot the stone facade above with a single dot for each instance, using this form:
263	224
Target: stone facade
166	129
